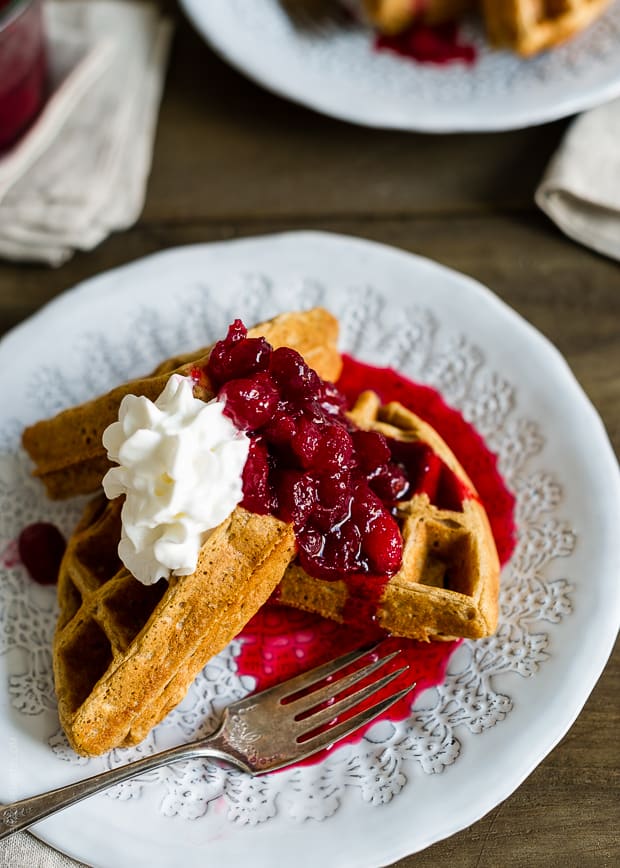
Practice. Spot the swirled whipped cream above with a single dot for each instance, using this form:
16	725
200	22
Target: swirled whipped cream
180	468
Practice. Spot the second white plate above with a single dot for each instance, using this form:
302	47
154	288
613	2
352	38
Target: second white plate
340	74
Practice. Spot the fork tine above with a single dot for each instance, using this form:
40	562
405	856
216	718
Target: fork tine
312	676
337	685
325	715
329	736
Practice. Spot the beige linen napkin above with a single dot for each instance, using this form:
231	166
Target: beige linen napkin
580	191
75	62
88	178
24	851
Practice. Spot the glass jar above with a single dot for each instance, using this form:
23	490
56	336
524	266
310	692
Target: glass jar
23	68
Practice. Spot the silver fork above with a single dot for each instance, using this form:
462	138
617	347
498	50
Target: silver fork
261	733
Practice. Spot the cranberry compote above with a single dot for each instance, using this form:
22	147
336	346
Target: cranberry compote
308	464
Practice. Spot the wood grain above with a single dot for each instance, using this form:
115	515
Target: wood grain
232	160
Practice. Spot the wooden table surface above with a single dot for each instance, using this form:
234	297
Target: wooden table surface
232	160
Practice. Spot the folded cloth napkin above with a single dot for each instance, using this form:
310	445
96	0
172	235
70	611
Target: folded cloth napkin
74	64
68	185
580	191
24	851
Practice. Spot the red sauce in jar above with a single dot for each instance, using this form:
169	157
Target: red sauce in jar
23	70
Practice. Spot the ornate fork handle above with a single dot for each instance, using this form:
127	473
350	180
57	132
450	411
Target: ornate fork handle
20	815
262	732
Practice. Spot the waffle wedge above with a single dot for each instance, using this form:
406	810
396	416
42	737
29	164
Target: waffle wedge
530	26
448	583
124	653
67	451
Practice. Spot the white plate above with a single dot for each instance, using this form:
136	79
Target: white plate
340	74
506	701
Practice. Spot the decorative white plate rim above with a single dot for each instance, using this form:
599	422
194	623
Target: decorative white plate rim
264	67
359	257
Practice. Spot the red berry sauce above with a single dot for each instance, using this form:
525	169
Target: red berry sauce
438	45
40	547
310	465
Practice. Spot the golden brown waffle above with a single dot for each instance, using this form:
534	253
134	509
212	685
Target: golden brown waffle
125	654
530	26
67	450
393	16
448	584
525	26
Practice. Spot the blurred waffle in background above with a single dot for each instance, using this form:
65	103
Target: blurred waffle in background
524	26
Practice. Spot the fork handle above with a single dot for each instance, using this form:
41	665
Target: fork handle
20	815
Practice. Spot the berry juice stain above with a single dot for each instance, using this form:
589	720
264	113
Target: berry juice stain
280	642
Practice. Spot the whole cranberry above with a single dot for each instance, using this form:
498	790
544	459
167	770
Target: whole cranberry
280	429
238	358
310	542
305	442
372	449
342	552
335	451
293	375
250	401
383	544
366	505
296	495
257	493
331	399
333	489
328	518
41	547
389	482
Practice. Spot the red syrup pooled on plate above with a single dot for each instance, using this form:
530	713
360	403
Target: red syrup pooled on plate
280	642
438	45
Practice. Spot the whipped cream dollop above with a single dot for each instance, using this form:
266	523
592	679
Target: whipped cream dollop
180	468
